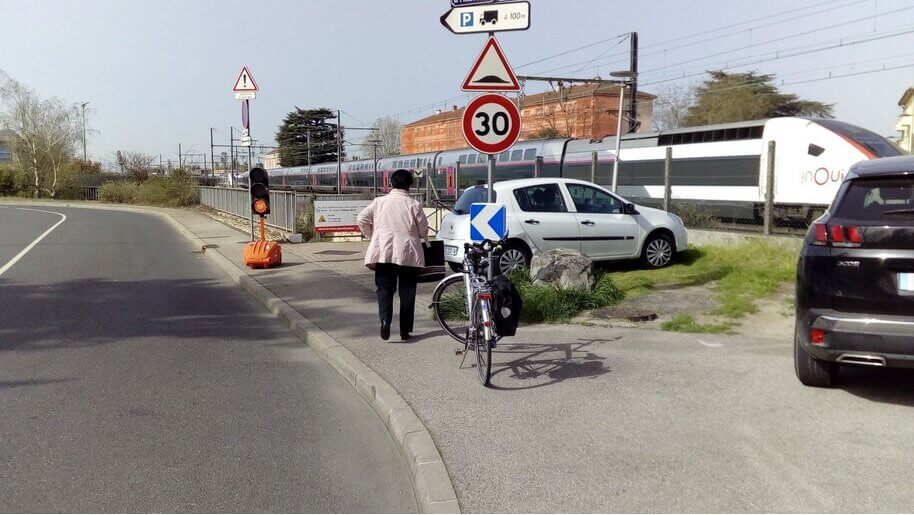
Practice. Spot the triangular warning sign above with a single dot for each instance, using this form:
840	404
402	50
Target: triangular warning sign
245	81
491	71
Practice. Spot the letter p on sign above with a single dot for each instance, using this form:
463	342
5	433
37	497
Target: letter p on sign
466	19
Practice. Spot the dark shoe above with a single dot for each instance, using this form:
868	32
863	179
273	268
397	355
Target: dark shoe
404	336
385	331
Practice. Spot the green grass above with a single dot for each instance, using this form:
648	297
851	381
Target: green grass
547	303
687	324
743	272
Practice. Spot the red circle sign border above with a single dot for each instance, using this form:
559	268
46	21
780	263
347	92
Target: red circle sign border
467	123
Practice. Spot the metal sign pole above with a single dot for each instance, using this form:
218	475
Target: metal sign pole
490	194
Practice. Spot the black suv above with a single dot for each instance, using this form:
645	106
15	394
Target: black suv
855	277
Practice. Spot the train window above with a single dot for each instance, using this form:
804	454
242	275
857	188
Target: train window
412	164
504	156
462	159
815	150
482	158
516	155
471	159
530	154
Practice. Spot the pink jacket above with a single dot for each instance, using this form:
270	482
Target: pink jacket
396	226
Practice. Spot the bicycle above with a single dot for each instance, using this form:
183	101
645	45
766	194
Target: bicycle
462	304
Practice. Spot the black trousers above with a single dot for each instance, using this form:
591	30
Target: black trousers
388	277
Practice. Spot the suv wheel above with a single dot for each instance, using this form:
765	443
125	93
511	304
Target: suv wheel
513	256
658	251
811	371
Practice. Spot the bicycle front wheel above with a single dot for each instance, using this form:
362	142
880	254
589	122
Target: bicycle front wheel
449	306
484	341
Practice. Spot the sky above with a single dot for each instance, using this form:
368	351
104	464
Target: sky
159	73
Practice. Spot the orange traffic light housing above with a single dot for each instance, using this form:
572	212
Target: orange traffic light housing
262	253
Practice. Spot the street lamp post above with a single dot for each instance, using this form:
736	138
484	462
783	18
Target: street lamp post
85	153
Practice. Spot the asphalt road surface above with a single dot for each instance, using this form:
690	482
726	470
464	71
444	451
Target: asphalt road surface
134	377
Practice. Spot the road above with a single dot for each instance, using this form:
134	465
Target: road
135	378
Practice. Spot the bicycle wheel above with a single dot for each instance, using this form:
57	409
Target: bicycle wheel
483	345
449	307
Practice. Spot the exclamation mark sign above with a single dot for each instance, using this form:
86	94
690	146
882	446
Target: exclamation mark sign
244	78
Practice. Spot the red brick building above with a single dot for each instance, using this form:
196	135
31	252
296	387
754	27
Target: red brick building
583	112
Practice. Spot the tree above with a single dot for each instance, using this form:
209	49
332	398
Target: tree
671	106
293	135
47	132
137	165
734	97
387	135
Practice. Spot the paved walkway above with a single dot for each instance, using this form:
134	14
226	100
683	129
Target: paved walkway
605	419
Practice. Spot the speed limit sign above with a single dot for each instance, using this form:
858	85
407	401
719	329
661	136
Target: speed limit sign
491	123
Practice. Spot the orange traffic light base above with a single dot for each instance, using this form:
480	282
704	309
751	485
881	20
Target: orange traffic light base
263	253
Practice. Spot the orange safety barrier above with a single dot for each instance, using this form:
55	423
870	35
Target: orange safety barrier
263	253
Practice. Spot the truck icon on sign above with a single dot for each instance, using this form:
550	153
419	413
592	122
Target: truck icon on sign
489	17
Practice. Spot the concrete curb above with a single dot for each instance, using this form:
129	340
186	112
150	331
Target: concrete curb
431	482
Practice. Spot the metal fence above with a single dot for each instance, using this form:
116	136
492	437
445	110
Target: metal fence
237	201
91	192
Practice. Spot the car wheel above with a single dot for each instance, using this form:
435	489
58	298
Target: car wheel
811	371
455	267
658	251
514	256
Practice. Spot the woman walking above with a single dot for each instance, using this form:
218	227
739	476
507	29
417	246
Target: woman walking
396	228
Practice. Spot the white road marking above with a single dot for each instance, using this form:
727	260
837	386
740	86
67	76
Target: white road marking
712	345
25	251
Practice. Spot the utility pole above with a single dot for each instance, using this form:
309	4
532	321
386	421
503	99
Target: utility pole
633	68
212	157
85	154
308	133
231	158
339	152
180	161
618	136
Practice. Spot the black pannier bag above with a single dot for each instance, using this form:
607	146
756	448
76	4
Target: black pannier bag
508	306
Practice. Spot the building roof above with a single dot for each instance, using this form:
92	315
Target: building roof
570	93
906	97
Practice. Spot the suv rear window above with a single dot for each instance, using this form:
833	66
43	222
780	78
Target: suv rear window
472	196
877	200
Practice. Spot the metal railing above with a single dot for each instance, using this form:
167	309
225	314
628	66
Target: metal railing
91	192
237	201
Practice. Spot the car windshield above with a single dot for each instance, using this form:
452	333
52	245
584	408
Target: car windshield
870	141
472	196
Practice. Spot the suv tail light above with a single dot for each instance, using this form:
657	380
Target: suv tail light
837	235
817	336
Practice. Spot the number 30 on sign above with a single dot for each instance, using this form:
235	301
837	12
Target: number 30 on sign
491	123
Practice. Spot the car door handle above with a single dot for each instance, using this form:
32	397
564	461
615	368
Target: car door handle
532	222
588	222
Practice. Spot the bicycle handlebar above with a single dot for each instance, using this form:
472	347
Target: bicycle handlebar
485	245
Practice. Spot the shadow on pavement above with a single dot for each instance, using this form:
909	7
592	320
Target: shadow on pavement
889	385
84	313
32	382
537	365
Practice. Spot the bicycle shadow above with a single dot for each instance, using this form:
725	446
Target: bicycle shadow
532	365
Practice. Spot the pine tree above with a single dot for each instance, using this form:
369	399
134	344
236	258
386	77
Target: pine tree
292	137
735	97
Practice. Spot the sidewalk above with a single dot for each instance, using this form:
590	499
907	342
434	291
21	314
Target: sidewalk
579	418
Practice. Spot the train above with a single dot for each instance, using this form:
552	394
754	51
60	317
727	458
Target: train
723	168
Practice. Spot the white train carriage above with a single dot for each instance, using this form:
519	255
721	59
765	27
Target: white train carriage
724	167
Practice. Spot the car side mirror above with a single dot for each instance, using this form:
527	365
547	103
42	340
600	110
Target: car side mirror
630	209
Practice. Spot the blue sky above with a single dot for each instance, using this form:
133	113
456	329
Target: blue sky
159	73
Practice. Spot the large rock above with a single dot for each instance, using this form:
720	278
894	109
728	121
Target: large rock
564	268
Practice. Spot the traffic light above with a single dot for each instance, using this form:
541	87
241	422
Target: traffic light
259	182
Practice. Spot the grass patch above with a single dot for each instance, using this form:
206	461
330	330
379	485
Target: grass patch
548	303
687	324
743	272
175	190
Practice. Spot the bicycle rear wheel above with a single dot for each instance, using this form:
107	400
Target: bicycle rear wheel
483	345
449	307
